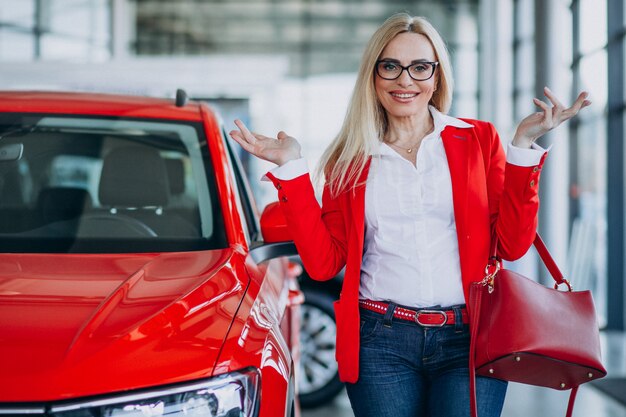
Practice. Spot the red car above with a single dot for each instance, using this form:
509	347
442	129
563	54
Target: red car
134	281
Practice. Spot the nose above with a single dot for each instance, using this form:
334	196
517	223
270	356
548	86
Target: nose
405	79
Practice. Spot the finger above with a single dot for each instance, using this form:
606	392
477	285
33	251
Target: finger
580	100
555	101
235	134
578	104
251	137
247	135
544	106
282	135
238	137
557	108
547	112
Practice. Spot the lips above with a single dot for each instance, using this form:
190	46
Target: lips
404	95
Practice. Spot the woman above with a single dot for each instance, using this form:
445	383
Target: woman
411	200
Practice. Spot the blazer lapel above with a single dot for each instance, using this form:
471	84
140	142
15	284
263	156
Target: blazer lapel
456	143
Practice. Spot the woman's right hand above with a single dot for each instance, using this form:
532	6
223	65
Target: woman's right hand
279	151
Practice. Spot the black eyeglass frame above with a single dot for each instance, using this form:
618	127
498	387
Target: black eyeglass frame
433	65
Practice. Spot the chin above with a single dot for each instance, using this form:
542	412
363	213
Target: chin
405	112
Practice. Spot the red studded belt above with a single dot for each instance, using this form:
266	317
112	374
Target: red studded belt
426	318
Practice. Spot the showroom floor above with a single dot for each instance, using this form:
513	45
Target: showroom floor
524	400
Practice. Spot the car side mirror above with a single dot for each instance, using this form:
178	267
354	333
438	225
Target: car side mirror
276	237
274	224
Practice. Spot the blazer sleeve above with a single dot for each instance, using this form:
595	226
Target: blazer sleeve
513	201
319	233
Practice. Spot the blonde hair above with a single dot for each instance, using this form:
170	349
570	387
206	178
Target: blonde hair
365	123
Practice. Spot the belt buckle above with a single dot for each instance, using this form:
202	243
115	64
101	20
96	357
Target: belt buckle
442	313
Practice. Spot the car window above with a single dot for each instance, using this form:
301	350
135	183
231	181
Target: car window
91	184
245	194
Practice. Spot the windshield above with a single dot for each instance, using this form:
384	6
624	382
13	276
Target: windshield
95	184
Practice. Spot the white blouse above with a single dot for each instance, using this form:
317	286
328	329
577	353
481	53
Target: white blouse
410	253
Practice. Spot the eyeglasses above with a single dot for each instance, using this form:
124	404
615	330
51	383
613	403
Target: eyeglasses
421	71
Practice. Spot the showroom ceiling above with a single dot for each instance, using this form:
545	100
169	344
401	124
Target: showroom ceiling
319	37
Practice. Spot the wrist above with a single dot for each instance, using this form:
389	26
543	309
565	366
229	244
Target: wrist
521	141
293	157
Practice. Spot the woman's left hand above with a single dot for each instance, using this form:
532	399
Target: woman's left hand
537	124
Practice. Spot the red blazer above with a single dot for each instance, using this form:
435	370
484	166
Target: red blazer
488	195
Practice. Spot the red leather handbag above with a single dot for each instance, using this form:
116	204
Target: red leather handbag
522	331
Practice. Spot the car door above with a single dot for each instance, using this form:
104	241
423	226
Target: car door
281	274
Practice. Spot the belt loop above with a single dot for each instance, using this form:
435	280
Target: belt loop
458	319
389	314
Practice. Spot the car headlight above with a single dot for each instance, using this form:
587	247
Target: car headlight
230	395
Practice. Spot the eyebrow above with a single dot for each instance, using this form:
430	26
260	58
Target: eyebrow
415	61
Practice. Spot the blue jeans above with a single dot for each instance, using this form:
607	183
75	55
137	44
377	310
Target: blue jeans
408	370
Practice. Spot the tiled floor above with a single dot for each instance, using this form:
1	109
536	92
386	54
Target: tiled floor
526	401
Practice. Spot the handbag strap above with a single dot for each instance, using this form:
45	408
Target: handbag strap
475	304
544	254
570	404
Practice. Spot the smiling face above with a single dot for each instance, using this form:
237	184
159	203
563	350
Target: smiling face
405	97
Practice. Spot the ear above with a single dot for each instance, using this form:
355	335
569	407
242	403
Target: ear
435	95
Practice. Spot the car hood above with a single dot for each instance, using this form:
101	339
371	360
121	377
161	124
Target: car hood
77	325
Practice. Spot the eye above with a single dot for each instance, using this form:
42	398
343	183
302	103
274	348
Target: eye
420	68
388	66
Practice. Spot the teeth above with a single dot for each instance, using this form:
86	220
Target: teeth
403	95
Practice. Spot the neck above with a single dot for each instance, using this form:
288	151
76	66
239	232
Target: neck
409	131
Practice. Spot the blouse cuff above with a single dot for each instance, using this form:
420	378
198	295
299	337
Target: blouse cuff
525	157
289	170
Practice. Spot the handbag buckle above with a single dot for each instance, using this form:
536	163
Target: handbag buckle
490	274
566	282
442	313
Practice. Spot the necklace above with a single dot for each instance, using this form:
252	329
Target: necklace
408	150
